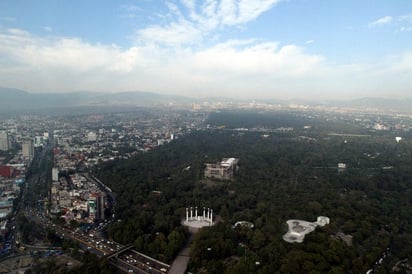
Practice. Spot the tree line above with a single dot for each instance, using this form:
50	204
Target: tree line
280	177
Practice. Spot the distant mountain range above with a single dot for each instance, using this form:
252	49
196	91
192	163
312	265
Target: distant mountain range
378	103
23	98
12	100
19	100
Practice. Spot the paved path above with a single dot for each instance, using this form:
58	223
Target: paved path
180	263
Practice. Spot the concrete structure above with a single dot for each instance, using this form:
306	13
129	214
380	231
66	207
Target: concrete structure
243	224
97	205
55	174
297	229
222	170
195	220
341	167
28	149
4	140
100	206
38	141
91	136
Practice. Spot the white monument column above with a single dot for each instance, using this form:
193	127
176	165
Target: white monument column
187	214
211	216
203	213
196	213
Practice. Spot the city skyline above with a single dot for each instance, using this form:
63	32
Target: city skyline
242	49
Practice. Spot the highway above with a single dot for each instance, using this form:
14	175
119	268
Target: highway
122	257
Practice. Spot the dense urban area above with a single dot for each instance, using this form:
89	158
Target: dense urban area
248	188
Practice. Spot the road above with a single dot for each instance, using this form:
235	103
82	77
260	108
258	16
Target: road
120	256
37	188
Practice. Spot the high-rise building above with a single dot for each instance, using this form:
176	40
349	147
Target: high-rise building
4	140
55	174
97	206
101	206
91	206
28	149
38	141
91	136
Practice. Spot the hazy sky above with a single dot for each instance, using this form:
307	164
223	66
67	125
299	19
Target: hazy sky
323	49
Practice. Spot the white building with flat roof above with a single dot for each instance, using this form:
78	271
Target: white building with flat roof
222	170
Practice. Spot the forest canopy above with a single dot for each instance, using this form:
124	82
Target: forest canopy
282	175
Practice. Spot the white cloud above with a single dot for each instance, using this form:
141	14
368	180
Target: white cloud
249	10
130	8
189	4
129	11
174	9
8	19
403	23
405	18
402	63
310	42
382	21
66	64
264	59
174	34
48	29
58	53
18	32
202	19
238	68
406	29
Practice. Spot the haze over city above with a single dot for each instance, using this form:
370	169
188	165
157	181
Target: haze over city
243	49
214	136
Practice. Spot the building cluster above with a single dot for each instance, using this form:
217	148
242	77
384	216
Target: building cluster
222	170
23	133
79	142
91	139
8	191
27	145
82	142
12	177
75	198
13	166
